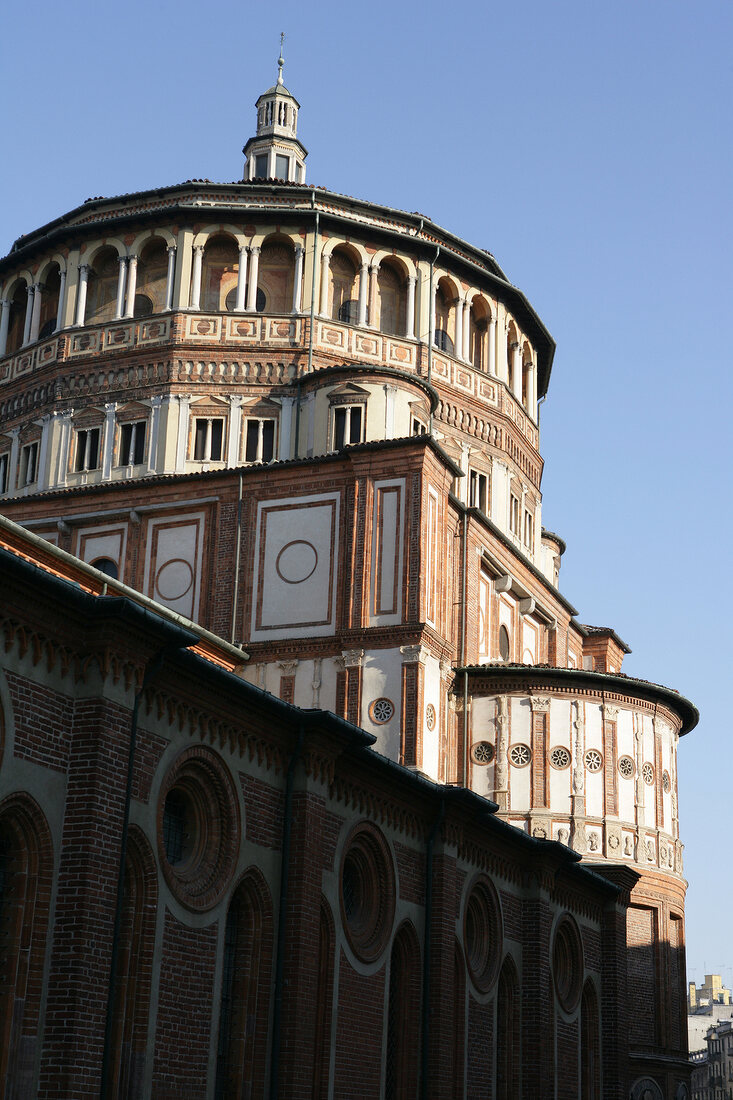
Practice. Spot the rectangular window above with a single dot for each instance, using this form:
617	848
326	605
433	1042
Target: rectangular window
208	439
261	167
87	449
418	428
528	529
478	490
28	464
282	167
514	514
260	441
347	425
132	444
4	462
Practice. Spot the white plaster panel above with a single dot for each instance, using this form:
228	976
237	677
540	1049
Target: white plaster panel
520	778
103	542
529	642
626	747
431	738
174	550
382	678
484	616
295	567
387	552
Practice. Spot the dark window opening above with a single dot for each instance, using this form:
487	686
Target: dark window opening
87	449
132	444
107	566
442	340
349	312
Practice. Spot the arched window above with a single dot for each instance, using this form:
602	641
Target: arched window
343	284
445	317
392	300
590	1059
478	327
508	1034
152	278
527	368
26	862
18	306
275	276
323	1006
459	1022
245	990
403	1011
511	344
49	301
219	273
102	287
107	566
134	970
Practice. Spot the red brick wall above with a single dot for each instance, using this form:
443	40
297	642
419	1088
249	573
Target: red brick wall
359	1030
185	1011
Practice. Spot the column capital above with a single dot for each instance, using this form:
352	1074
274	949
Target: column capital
300	248
413	654
255	250
198	248
121	260
288	667
156	402
110	407
243	248
352	658
132	259
411	279
172	248
85	268
325	259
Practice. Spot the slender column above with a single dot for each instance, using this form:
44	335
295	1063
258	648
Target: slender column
235	431
390	394
458	347
170	277
241	279
81	294
467	332
42	477
431	337
254	268
183	412
110	409
286	427
492	346
28	315
517	359
323	301
198	254
121	274
310	408
363	284
410	324
4	325
531	395
131	286
36	315
64	442
155	404
372	312
62	301
14	434
298	278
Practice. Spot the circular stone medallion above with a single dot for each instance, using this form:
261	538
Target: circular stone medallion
296	562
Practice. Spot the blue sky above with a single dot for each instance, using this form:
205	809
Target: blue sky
587	146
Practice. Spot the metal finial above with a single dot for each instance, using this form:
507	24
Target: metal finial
280	61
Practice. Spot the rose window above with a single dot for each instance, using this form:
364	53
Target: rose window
666	782
560	757
430	716
593	760
647	772
381	710
520	755
482	752
626	767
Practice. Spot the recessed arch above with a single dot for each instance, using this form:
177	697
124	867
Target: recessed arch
392	297
143	239
17	295
219	272
590	1044
508	1032
276	273
344	283
223	230
152	276
402	1039
102	284
446	296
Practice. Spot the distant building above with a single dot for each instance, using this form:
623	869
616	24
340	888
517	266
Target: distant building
711	992
712	1067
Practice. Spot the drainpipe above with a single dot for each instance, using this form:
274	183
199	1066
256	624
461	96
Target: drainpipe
282	909
310	333
237	552
464	568
151	669
431	333
425	1029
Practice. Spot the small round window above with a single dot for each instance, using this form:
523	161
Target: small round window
381	710
482	752
647	773
567	963
367	892
593	760
430	716
626	767
198	828
482	934
560	757
520	755
504	643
